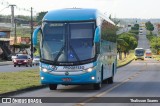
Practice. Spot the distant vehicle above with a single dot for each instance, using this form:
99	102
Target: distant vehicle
140	33
148	53
139	53
148	50
13	57
36	60
22	59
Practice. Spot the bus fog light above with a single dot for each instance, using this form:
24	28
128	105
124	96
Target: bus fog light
92	78
42	78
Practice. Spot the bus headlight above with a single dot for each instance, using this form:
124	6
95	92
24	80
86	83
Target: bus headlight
89	69
45	70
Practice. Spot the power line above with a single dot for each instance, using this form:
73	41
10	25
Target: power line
6	4
3	8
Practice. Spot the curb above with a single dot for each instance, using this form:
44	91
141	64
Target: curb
12	93
4	64
125	64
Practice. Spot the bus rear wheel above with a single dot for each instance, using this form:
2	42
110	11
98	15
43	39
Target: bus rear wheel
110	80
97	86
52	86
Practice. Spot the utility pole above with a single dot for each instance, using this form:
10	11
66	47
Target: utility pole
31	32
15	34
12	14
13	23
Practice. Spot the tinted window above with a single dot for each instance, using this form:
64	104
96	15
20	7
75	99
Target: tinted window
22	57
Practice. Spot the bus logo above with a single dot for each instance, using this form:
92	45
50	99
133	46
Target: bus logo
67	73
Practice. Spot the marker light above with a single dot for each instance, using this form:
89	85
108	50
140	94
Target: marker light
92	78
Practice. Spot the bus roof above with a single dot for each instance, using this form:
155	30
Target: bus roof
139	48
73	14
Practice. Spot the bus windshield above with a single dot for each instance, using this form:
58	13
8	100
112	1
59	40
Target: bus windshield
67	42
139	52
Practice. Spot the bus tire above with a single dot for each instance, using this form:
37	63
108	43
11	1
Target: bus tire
105	81
97	86
52	86
110	80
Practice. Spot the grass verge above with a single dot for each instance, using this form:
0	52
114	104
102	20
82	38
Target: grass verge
126	60
156	57
13	81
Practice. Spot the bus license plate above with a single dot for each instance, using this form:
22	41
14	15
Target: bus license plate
66	79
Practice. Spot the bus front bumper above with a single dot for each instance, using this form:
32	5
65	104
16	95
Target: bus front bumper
86	78
139	57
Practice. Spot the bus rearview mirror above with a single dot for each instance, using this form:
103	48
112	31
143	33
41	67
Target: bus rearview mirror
34	36
97	35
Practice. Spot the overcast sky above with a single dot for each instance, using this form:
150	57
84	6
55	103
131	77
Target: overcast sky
118	8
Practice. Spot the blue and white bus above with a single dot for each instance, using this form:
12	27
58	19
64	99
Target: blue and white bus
77	46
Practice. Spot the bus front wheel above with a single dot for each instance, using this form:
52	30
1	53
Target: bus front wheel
97	86
52	86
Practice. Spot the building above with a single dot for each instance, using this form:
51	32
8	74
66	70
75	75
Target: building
19	41
5	44
22	40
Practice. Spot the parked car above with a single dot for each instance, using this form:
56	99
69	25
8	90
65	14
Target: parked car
22	59
36	60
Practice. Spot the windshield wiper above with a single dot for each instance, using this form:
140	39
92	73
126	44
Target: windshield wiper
75	54
60	52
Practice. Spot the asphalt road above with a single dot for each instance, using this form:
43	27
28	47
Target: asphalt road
137	79
11	68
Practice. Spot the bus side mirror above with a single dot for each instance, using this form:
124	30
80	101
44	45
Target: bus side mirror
97	40
34	36
97	35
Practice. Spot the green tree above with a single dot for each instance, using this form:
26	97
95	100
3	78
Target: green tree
40	17
121	46
126	42
149	26
155	44
116	21
27	18
135	29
